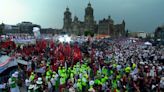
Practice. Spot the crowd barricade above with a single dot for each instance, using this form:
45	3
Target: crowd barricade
24	41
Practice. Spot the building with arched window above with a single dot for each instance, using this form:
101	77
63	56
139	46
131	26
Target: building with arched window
104	26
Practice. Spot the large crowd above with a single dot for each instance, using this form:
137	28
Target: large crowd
93	66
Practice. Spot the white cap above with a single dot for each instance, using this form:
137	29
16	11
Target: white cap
134	77
39	81
14	75
146	62
153	86
142	63
146	66
159	68
71	89
91	82
27	81
31	87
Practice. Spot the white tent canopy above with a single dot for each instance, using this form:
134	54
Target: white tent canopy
148	43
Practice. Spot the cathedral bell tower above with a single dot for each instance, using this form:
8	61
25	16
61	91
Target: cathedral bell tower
67	21
89	18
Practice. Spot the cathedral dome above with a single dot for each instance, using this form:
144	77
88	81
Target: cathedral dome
89	10
89	4
89	7
67	11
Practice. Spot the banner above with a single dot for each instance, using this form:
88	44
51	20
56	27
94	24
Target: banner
6	62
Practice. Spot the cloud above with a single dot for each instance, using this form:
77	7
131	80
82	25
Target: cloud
138	14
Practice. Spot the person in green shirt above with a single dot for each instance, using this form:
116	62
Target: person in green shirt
57	83
79	85
114	84
62	81
133	66
104	71
12	83
97	81
32	76
128	69
59	70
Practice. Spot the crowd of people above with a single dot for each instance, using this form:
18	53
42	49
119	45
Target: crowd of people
93	66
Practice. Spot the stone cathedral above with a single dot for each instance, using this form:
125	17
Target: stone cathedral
104	26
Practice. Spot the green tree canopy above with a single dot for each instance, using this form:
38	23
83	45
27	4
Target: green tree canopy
89	32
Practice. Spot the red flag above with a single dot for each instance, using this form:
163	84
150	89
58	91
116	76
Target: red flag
61	56
44	44
7	44
52	45
67	50
13	45
61	47
77	53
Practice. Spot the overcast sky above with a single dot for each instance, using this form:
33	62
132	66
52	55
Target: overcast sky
139	15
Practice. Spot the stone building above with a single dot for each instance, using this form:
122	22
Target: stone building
119	30
159	33
89	21
50	31
9	29
24	27
105	26
76	26
27	27
12	29
67	27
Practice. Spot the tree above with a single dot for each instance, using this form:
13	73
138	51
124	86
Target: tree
91	34
148	37
86	33
127	33
1	32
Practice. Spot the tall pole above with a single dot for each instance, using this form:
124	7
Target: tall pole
108	29
98	31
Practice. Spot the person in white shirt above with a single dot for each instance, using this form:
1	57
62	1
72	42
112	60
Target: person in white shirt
53	80
162	83
30	88
27	83
50	86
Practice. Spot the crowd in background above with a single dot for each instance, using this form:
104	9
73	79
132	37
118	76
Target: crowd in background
98	66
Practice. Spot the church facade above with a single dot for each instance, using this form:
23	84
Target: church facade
104	26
